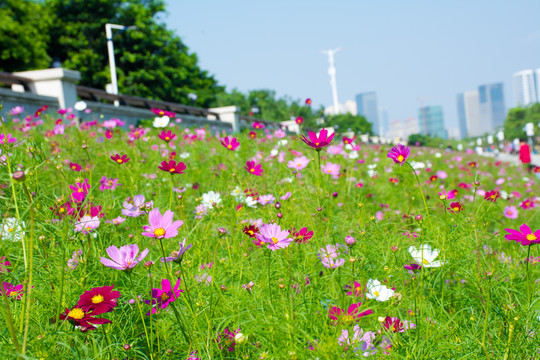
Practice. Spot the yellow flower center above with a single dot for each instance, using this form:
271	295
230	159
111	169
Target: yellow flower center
400	158
442	197
97	299
229	146
172	169
425	262
250	232
456	208
252	170
347	318
11	230
159	232
76	313
164	297
80	190
316	144
167	138
531	237
274	240
376	293
329	171
119	161
61	210
73	167
13	293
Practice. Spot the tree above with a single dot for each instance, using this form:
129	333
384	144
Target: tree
349	122
518	117
23	35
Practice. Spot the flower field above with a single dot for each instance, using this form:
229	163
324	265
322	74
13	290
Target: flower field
164	242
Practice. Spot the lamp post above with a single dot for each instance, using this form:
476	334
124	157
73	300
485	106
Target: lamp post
110	49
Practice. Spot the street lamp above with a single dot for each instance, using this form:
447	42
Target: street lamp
110	48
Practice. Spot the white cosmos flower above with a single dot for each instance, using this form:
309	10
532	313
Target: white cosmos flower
161	122
184	155
425	256
353	154
250	202
417	165
80	106
378	291
274	152
348	147
371	173
282	142
504	195
237	192
211	199
12	230
438	154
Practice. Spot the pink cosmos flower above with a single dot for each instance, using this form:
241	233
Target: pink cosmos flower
331	169
395	325
177	256
108	184
524	237
87	224
320	141
352	314
442	174
527	204
399	154
329	257
448	195
80	190
266	199
116	221
511	212
274	236
298	163
75	167
137	207
360	342
286	196
161	298
230	143
124	258
161	227
7	139
17	110
13	291
4	263
252	168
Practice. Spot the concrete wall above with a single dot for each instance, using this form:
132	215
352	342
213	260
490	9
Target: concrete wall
30	102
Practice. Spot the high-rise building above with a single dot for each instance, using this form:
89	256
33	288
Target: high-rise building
470	124
526	89
491	105
366	104
431	121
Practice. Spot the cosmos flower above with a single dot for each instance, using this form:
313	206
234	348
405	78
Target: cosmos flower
79	191
108	184
120	159
511	212
84	320
352	314
161	227
524	237
12	291
226	339
298	163
527	204
177	256
124	258
378	291
302	236
455	207
329	257
200	211
87	224
161	122
161	298
399	154
4	263
318	142
331	169
299	120
448	195
137	207
425	256
99	300
253	168
172	167
12	229
230	143
360	342
211	199
167	136
75	166
7	139
395	325
492	195
274	236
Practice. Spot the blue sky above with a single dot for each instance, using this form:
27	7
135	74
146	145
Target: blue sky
400	49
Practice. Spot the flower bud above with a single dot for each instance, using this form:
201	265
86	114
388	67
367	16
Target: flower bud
148	264
127	347
222	231
335	194
395	248
418	218
240	338
279	215
476	183
278	205
349	240
319	208
223	287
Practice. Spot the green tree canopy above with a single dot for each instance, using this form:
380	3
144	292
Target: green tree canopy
23	35
518	117
349	122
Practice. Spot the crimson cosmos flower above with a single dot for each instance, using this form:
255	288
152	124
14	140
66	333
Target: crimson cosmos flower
120	159
75	167
302	236
173	167
318	142
308	101
492	195
99	300
253	168
299	120
85	320
455	207
347	140
253	134
167	135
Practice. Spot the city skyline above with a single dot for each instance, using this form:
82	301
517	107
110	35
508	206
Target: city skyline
383	49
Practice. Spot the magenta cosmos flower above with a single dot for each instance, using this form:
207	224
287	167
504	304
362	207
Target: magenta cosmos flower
524	237
230	143
167	135
173	167
253	168
79	191
14	291
124	258
318	142
351	315
399	154
164	296
274	236
162	227
120	159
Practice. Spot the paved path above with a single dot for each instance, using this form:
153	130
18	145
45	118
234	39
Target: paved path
535	158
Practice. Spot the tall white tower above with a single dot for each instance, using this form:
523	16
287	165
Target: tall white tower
332	73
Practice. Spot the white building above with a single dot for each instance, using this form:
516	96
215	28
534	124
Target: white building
526	87
348	108
402	129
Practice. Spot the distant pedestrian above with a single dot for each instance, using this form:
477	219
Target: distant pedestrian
525	154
